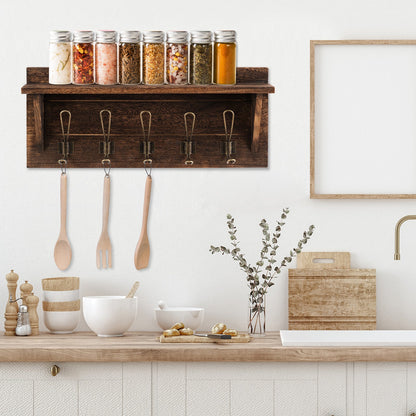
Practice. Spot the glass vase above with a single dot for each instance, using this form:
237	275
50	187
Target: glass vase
257	317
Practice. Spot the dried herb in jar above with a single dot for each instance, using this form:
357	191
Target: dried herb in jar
129	63
153	63
201	63
83	63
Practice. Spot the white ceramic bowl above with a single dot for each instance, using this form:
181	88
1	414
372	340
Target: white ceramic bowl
109	316
190	317
60	295
61	322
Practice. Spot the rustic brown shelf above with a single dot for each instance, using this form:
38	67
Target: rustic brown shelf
167	103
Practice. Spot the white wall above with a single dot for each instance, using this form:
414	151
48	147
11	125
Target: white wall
188	207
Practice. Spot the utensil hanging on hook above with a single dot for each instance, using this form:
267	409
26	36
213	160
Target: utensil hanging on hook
63	252
189	131
142	252
104	249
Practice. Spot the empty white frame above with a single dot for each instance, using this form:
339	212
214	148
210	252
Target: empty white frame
363	119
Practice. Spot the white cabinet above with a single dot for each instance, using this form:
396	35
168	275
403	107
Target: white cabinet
208	389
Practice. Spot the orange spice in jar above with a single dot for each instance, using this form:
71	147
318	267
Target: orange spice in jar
153	57
106	57
225	57
83	57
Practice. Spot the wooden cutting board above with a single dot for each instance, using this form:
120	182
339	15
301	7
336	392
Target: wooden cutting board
331	295
187	339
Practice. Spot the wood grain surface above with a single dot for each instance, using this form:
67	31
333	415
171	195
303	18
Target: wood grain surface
135	347
167	103
193	339
331	295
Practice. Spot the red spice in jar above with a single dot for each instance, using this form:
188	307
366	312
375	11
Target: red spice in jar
83	63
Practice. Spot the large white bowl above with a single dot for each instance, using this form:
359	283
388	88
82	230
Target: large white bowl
60	295
109	316
61	322
190	317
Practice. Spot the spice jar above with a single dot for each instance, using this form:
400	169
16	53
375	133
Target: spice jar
177	57
129	57
106	57
60	57
201	57
83	57
153	57
225	57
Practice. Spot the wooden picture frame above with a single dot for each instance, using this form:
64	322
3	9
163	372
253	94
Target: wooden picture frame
316	193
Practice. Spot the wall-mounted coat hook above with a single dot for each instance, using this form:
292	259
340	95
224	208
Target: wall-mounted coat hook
146	146
105	146
188	146
65	146
229	145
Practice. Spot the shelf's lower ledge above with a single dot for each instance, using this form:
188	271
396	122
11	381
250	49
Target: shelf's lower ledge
145	346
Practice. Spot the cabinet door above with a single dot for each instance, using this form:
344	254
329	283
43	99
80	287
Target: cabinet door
386	389
332	389
82	389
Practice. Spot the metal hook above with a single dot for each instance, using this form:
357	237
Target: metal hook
188	136
228	135
62	164
64	146
106	135
147	163
147	145
107	169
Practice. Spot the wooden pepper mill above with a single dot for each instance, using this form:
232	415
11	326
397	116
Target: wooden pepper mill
25	290
11	307
32	305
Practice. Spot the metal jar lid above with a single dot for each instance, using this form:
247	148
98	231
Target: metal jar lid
23	308
57	36
177	36
225	36
201	36
106	36
84	36
130	36
153	36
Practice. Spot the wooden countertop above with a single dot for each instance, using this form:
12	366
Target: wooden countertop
144	346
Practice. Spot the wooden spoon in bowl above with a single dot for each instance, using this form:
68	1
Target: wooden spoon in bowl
133	290
142	253
63	252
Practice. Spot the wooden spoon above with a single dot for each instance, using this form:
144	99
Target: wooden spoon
133	290
63	252
142	253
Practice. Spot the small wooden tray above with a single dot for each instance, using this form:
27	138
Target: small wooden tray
188	339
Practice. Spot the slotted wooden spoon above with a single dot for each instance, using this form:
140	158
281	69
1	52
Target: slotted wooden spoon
63	251
142	253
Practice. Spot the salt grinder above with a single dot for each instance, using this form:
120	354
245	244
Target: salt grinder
25	291
23	325
11	307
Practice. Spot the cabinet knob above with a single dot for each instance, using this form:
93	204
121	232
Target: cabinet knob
55	370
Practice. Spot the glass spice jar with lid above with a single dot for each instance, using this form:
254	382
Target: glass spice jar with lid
60	57
177	57
201	57
83	57
153	57
225	57
129	57
106	57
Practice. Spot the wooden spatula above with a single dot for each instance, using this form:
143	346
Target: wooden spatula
63	251
142	253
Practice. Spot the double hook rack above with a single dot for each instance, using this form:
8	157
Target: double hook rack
147	147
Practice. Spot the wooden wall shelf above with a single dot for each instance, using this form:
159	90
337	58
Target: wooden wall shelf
167	103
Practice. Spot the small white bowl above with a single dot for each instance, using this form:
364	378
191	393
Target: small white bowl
61	322
109	316
60	295
190	317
